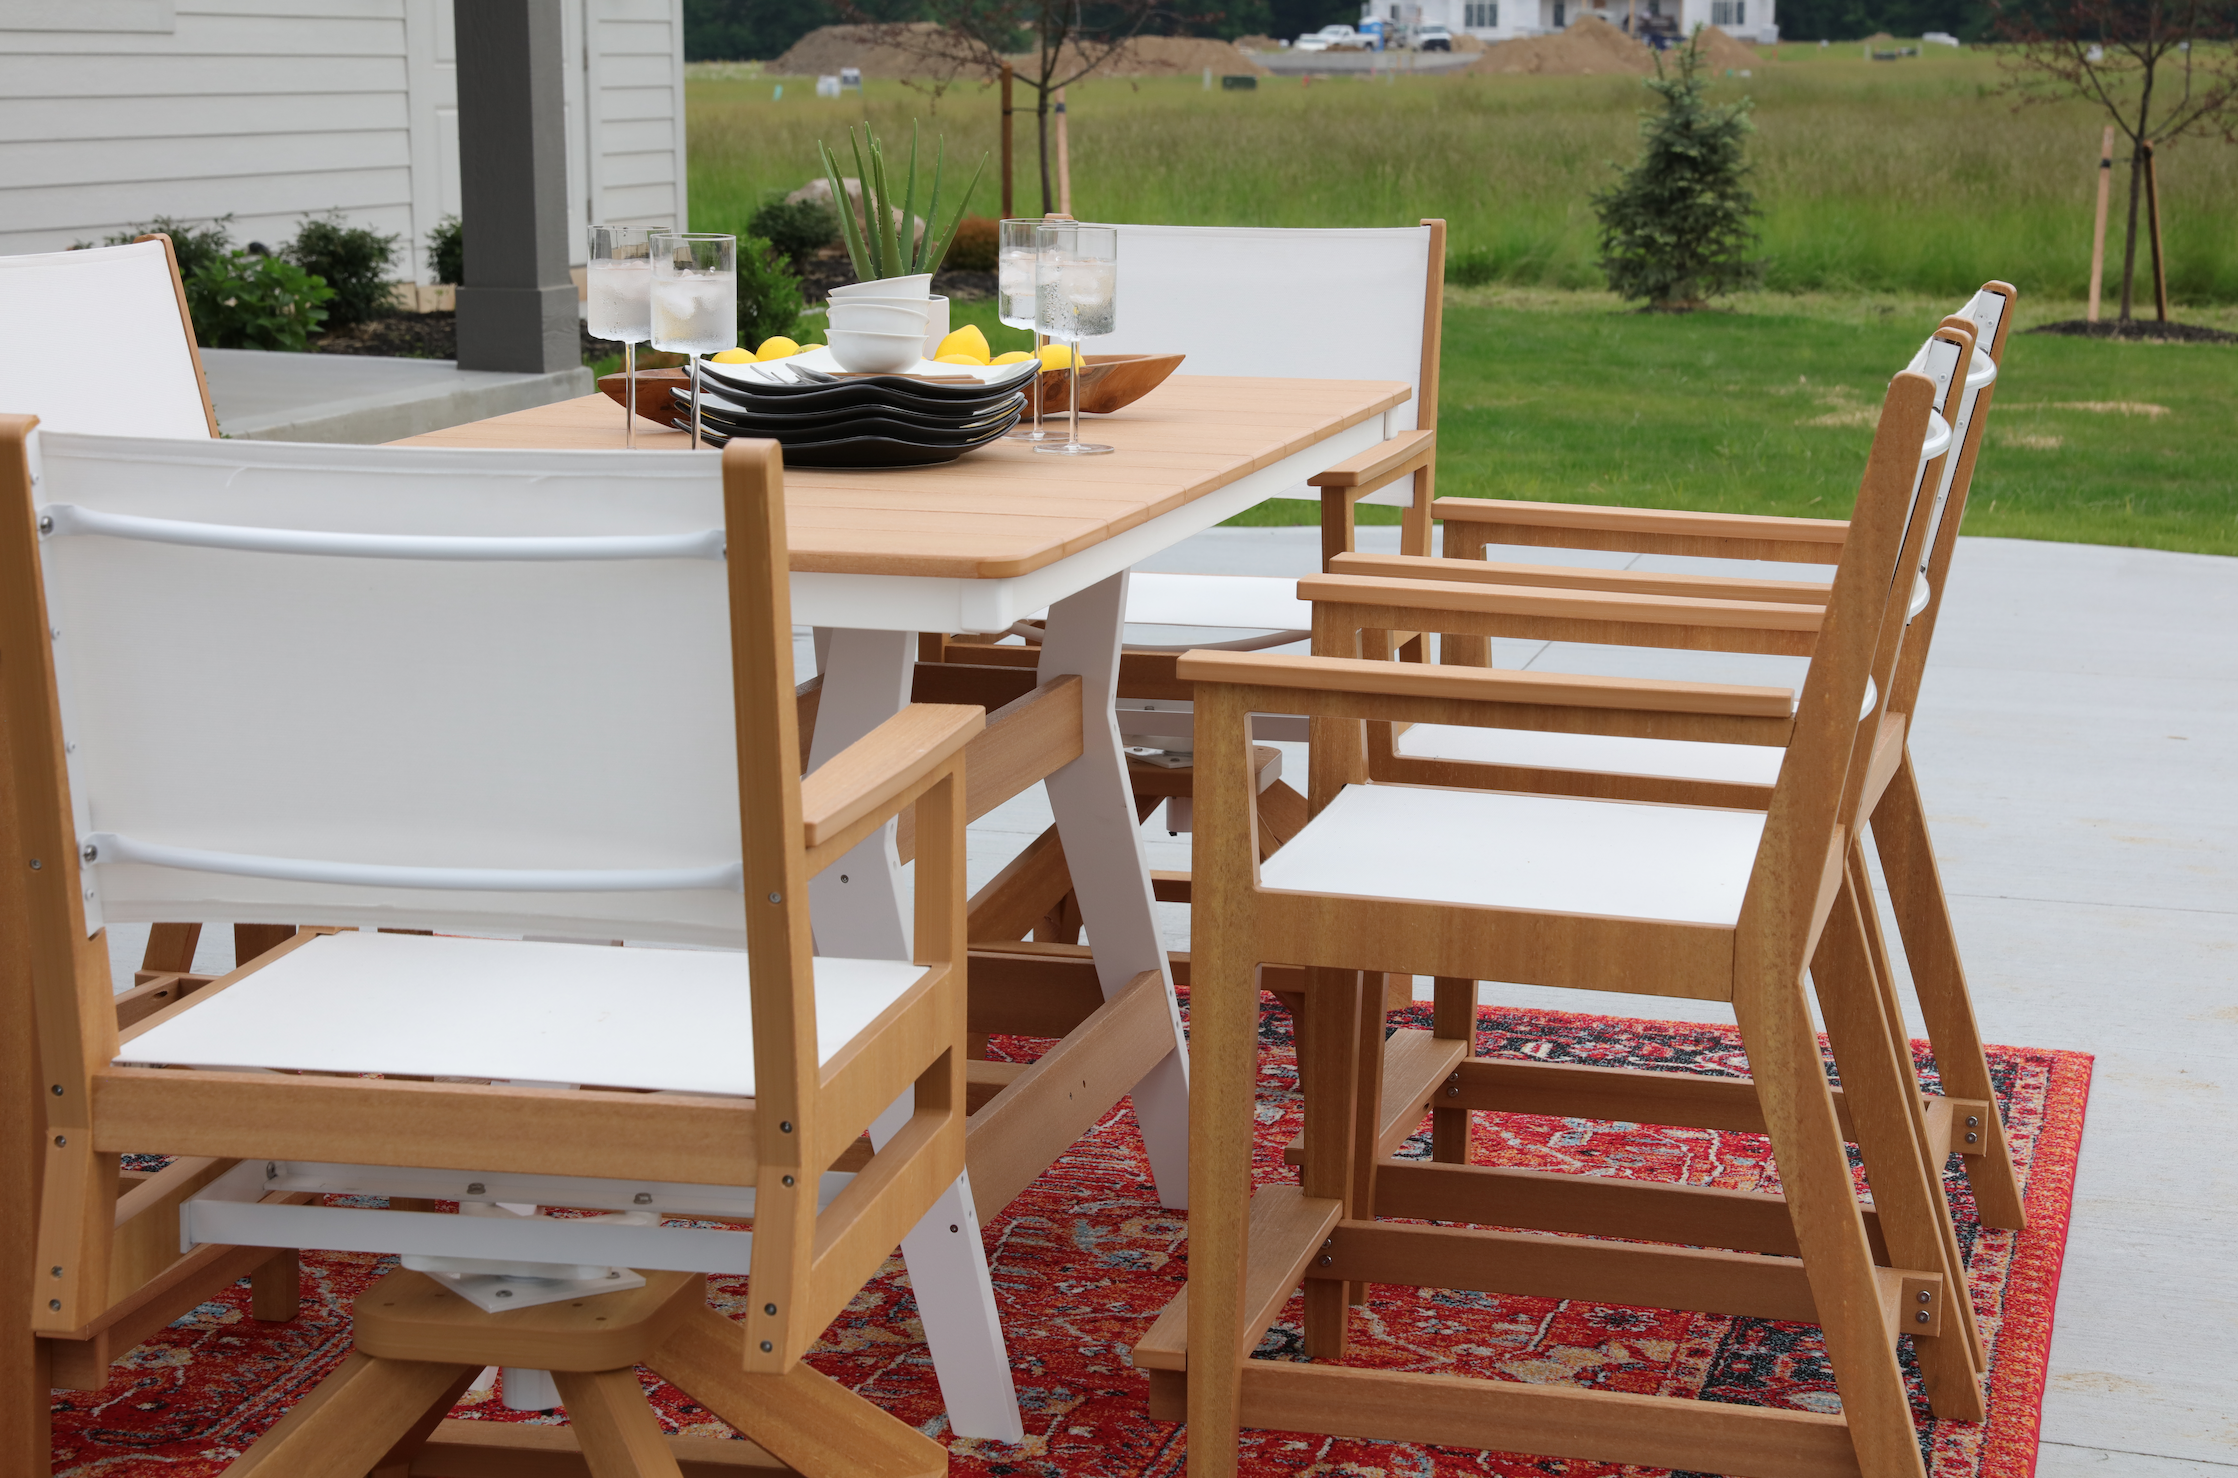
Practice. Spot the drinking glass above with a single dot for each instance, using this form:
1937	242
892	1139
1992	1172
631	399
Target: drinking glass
695	299
1017	270
621	306
1077	298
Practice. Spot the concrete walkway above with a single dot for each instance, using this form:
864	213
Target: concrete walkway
366	398
2078	749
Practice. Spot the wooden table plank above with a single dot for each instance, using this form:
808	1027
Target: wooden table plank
1002	511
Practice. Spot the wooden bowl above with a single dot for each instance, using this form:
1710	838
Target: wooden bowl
656	390
1107	381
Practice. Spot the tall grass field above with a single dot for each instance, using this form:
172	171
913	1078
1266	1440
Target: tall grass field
1920	175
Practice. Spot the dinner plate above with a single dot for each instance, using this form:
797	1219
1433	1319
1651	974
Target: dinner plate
867	451
882	426
758	416
800	376
885	391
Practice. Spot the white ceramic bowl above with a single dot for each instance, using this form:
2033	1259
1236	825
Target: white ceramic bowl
917	286
879	317
875	353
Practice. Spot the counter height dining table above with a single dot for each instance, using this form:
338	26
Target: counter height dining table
974	546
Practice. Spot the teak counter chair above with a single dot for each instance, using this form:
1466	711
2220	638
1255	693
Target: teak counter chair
1771	616
1250	301
435	763
1583	893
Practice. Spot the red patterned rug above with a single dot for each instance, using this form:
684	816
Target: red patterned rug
1086	1258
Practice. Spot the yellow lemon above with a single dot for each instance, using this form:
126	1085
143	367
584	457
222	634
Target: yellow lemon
806	347
1015	356
960	359
1056	356
778	348
733	356
967	340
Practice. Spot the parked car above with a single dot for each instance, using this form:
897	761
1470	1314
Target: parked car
1433	38
1330	36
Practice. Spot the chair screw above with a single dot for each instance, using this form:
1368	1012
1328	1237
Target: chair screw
57	1090
60	1141
767	1347
504	1293
1453	1092
776	898
784	1126
951	1226
54	1272
788	1180
643	1198
1973	1121
1972	1137
1925	1296
34	864
91	853
55	1304
476	1188
1921	1317
1326	1259
770	1309
46	524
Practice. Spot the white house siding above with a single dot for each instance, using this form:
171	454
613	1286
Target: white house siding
273	109
1503	20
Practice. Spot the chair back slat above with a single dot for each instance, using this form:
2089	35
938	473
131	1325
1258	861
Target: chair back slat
101	342
531	732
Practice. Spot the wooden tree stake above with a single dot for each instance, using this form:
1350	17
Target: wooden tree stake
1064	161
2097	234
1007	213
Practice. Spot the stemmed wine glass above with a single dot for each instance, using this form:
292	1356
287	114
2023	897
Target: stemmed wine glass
1077	298
1018	269
695	299
621	306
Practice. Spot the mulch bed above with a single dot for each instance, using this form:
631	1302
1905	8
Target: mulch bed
830	268
1086	1259
2137	328
421	336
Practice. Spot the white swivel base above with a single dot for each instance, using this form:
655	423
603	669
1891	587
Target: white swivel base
494	1293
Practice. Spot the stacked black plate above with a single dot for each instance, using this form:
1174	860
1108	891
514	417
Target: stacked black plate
826	420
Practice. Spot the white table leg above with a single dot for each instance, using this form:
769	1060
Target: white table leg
857	908
1095	812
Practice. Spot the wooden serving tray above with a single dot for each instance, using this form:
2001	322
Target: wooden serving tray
1108	382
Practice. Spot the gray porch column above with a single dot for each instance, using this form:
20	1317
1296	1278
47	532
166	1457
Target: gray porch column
516	310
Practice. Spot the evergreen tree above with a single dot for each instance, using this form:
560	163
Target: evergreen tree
1677	228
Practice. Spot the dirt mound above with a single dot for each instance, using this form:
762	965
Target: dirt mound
1590	47
1463	41
885	52
1157	56
1257	43
1721	52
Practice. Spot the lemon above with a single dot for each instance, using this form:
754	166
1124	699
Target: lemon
777	348
967	340
960	359
1015	356
1056	356
733	356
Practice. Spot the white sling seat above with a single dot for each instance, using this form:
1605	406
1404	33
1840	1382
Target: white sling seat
99	341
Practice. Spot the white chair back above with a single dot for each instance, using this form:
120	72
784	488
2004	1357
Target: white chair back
1312	304
482	692
99	342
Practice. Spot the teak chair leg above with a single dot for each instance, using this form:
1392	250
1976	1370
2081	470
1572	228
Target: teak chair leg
355	1420
1453	1016
1329	1079
1782	1046
1883	1099
621	1437
806	1420
1923	920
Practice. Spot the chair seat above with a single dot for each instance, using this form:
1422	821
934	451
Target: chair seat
679	1020
1618	859
1229	602
1601	754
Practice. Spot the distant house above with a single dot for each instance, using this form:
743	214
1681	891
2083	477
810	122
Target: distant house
114	111
1503	20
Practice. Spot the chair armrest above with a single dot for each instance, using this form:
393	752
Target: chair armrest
1577	577
1414	601
1648	530
882	768
1346	687
1378	465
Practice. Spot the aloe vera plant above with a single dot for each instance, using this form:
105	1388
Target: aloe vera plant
874	239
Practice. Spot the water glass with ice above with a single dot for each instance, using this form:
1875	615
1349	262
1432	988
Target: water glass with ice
1076	297
1018	260
695	298
621	302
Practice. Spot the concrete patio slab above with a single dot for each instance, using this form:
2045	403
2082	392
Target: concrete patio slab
366	398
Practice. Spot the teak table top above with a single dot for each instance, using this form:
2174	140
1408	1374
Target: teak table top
1003	511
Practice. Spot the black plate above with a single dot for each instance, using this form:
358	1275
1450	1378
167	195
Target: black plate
754	420
821	383
865	451
855	395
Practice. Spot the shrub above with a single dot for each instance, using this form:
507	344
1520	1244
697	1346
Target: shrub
446	250
796	228
1677	228
194	246
246	302
1472	268
353	260
768	294
973	249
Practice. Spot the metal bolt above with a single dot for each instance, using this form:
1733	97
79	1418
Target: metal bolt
770	1309
1973	1121
57	1090
1972	1137
60	1141
776	898
643	1198
843	877
788	1180
1921	1317
55	1304
1454	1092
46	523
784	1126
1326	1259
54	1272
476	1188
90	853
767	1347
951	1226
270	1170
1454	1076
54	633
504	1293
34	864
1925	1296
613	1273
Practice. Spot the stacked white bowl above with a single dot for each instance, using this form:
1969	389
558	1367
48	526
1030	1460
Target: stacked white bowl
887	325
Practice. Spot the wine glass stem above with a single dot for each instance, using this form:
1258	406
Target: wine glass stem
629	382
695	402
1041	340
1072	386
